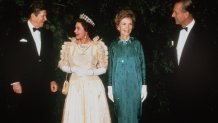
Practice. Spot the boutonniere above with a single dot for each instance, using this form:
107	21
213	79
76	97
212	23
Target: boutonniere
23	40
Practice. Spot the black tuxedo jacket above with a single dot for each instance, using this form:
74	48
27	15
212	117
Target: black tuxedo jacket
26	66
195	73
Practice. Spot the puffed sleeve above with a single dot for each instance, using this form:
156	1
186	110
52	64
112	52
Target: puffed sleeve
63	63
102	55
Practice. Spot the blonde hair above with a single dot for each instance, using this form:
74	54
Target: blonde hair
124	13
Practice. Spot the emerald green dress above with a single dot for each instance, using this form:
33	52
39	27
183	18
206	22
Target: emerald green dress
126	76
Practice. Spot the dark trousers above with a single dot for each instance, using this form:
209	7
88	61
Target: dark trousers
192	111
32	107
4	106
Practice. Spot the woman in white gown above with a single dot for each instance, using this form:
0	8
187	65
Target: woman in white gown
85	59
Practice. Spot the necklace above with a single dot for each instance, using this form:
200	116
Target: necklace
83	48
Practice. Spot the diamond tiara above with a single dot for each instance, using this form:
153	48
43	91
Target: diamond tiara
87	19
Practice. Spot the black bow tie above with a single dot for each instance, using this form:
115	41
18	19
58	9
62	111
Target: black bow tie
185	28
34	29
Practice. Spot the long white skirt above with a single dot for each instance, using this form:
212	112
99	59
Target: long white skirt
86	101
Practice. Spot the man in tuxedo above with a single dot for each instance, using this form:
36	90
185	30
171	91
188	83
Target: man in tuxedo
31	68
194	75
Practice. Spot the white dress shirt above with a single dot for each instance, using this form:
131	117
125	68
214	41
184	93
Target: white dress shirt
182	39
36	36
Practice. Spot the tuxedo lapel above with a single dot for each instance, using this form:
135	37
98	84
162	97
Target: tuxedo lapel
188	47
176	38
30	39
175	41
43	41
46	44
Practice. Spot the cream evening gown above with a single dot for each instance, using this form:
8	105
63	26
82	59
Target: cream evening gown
86	100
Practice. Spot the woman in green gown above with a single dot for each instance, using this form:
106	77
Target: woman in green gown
127	76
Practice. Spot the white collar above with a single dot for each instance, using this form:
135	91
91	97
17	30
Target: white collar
190	25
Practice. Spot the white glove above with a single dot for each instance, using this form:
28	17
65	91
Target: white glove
90	72
68	69
99	71
110	93
84	72
143	92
